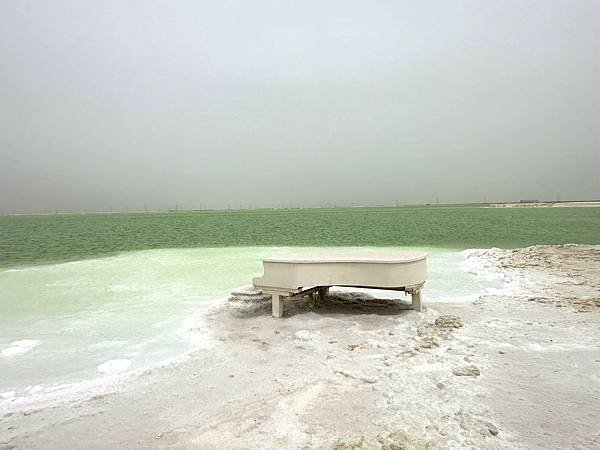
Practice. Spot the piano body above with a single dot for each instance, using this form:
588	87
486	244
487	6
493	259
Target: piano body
314	273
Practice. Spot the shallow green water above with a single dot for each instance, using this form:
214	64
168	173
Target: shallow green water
26	240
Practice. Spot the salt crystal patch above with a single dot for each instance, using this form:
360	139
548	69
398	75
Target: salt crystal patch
536	347
114	366
303	335
193	330
34	389
17	348
8	395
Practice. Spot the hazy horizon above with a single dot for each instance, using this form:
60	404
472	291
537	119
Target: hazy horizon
140	105
282	206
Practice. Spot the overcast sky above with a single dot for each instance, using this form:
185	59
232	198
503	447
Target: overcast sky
266	103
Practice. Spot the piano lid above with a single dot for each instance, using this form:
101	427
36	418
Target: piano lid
349	256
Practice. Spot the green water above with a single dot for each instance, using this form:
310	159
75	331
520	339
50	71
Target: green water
26	240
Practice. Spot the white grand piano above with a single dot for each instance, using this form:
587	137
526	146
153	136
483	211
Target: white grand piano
310	274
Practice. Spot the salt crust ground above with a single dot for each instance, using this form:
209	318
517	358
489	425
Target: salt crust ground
506	371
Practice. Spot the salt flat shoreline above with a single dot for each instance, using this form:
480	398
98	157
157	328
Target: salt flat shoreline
507	370
548	204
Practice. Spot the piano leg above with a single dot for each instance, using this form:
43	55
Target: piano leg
320	294
312	300
416	299
277	303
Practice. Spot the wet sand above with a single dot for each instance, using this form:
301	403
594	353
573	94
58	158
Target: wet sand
503	371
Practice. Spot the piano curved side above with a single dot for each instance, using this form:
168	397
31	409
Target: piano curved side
293	276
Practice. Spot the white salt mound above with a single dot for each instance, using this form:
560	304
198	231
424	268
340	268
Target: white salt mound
114	366
17	348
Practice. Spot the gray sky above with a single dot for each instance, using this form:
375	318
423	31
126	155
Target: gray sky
265	103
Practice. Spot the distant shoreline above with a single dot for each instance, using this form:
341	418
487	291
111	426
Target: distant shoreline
545	204
512	204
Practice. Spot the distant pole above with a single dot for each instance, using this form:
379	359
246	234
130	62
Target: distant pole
176	207
228	206
396	203
558	197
